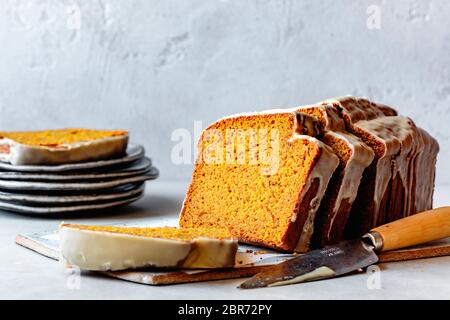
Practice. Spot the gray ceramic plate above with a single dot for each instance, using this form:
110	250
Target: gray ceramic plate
73	186
32	199
140	167
134	152
66	208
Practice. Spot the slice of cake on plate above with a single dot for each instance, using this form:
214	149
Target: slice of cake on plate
108	248
61	146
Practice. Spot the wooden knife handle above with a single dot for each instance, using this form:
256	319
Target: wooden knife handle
417	229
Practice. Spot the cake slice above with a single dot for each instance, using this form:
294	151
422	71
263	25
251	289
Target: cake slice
104	248
61	146
262	176
354	157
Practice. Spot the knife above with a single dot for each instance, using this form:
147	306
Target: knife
348	256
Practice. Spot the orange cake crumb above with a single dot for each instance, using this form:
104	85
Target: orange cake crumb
184	234
58	137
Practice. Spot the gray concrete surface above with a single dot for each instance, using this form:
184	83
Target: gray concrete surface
28	275
155	66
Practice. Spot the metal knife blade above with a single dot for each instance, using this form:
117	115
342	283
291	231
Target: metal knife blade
328	262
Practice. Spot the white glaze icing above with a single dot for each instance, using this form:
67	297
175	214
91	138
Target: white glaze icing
397	135
401	142
366	116
360	158
21	154
107	251
319	273
424	172
330	117
323	170
357	108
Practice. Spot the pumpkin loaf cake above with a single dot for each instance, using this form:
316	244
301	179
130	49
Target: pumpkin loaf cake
345	165
104	248
61	146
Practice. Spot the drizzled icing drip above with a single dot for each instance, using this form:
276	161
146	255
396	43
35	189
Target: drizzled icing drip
323	170
398	155
399	136
424	172
356	109
306	125
361	156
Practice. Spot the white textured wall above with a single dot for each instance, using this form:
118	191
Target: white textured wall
154	66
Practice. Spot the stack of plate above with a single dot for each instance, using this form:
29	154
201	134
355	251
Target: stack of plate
75	187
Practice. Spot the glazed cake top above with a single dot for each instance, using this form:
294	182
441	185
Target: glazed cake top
184	234
60	137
